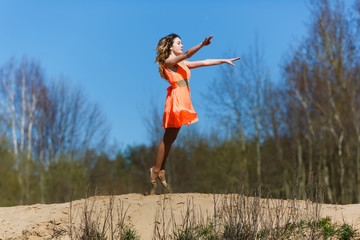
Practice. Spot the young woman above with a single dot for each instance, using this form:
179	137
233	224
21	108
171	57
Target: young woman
178	108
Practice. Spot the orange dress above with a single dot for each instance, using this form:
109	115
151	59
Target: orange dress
178	107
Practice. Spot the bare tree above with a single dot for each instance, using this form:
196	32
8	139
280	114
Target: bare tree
239	99
321	76
9	113
153	123
46	122
19	106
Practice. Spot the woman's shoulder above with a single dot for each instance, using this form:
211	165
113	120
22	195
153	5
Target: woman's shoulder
175	67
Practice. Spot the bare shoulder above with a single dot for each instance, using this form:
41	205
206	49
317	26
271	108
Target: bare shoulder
169	62
169	66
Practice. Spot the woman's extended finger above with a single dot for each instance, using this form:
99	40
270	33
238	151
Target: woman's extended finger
235	59
230	62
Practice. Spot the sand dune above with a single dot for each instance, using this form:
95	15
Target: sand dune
54	221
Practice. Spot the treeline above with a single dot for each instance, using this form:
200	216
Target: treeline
46	128
306	126
276	135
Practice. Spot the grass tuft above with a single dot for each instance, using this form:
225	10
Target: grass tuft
102	224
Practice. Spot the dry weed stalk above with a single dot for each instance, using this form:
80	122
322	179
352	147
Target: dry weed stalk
266	218
162	225
237	216
168	226
97	222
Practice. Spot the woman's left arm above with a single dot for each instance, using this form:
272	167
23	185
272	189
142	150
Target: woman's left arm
210	62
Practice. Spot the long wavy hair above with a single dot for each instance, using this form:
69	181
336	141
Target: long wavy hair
163	51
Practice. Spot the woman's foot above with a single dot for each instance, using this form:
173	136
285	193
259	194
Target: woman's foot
153	180
163	180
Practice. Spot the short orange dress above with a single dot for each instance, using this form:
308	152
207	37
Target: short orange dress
178	107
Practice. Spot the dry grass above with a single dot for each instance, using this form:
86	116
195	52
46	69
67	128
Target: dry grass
234	216
101	224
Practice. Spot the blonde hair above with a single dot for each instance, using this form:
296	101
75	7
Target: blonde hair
163	51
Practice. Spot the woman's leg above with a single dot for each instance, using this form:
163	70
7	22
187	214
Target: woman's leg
164	149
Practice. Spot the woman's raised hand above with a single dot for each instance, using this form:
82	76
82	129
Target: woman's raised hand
231	60
207	40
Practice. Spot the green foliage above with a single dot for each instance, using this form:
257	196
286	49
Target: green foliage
346	232
66	179
207	232
328	229
9	188
129	233
188	234
298	230
108	176
237	231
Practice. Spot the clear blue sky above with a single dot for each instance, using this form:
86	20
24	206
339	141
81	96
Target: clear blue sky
108	47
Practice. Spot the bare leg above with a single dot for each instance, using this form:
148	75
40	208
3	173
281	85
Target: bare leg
163	151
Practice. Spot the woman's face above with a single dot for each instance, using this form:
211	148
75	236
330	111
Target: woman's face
177	46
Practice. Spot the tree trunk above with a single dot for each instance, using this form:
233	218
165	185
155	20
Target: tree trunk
243	155
358	169
326	179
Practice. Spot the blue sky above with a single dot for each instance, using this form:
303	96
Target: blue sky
108	47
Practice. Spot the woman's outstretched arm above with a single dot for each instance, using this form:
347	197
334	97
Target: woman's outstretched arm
210	62
172	60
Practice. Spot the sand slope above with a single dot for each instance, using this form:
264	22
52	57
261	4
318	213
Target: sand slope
54	221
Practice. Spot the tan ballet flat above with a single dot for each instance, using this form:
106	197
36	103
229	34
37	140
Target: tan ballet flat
153	182
164	183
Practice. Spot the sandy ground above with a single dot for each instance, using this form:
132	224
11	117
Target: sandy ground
58	221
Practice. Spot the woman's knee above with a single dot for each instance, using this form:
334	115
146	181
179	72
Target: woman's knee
171	135
169	139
